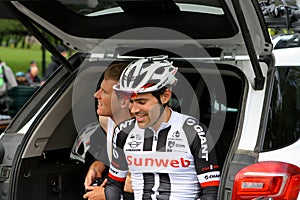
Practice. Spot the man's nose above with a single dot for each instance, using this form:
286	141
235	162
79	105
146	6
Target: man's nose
97	94
134	108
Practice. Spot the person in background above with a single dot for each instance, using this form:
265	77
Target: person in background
55	64
7	81
165	151
32	75
21	79
111	110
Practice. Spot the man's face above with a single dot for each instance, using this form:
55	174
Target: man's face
104	95
34	70
21	78
146	109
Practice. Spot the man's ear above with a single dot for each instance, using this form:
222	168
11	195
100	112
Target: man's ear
124	103
165	97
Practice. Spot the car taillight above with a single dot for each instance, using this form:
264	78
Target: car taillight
269	179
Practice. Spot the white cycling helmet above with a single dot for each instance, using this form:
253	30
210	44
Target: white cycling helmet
148	74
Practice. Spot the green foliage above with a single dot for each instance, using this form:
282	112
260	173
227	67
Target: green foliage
276	31
19	59
18	47
11	26
14	34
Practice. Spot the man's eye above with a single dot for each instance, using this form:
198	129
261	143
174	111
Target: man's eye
142	102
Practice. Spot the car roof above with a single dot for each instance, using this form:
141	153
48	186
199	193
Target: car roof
82	25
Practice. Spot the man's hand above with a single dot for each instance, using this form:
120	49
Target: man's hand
94	172
96	192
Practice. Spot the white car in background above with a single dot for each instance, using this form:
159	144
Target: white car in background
290	40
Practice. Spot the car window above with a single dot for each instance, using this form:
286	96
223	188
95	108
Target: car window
97	7
283	126
286	41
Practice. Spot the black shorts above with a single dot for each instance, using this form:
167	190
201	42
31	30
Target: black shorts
128	196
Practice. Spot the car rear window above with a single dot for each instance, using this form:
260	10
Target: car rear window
103	19
283	126
102	7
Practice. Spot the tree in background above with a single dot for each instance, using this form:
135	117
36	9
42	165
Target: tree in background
12	33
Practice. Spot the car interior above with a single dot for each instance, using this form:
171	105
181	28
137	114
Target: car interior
46	160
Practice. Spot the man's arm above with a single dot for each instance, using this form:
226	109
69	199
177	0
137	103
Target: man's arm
11	80
113	189
28	78
207	169
117	175
96	192
98	167
209	193
118	168
95	171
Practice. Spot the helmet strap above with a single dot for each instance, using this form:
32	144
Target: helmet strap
157	95
161	111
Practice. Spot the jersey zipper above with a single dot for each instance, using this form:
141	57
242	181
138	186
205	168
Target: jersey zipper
155	139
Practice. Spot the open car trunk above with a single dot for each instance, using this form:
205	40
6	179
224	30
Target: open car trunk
46	169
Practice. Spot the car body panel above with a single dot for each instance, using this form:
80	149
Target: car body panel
286	57
253	110
286	41
283	56
285	154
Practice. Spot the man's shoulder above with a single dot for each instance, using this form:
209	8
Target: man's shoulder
27	75
7	69
185	119
125	126
53	64
190	124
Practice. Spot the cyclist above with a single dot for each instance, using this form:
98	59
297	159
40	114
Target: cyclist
165	151
111	110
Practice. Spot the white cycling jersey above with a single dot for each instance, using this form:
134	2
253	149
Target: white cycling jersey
109	135
172	163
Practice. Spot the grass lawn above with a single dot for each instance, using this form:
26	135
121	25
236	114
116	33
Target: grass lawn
19	59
